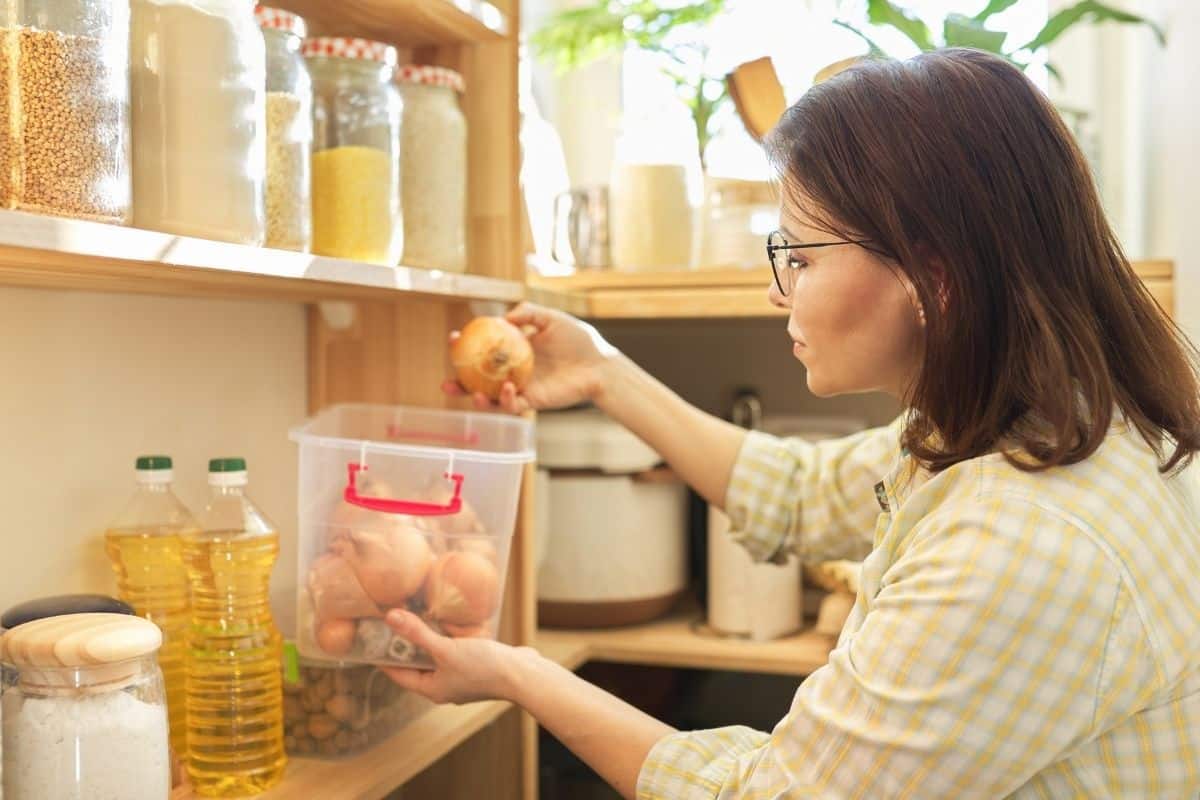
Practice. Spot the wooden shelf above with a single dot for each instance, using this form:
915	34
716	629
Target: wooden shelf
410	23
680	640
714	293
53	253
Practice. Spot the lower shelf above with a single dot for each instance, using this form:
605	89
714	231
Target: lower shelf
377	772
681	640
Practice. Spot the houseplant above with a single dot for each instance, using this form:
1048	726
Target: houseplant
962	30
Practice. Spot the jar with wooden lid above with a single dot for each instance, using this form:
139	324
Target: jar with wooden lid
355	163
433	168
64	108
85	714
289	131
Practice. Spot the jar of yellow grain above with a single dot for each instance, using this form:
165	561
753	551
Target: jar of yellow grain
356	160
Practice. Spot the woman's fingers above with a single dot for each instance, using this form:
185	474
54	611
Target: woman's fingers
528	314
412	628
452	388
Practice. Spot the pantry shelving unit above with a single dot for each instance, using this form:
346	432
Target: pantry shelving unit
718	292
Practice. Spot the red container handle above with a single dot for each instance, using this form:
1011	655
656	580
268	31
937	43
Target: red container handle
410	507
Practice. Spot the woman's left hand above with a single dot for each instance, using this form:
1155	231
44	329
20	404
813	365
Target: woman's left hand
464	670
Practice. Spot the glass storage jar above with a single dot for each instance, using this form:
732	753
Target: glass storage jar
64	108
333	710
433	168
289	131
85	714
355	163
199	119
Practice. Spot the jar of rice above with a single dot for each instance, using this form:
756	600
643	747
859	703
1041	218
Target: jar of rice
289	131
355	164
433	156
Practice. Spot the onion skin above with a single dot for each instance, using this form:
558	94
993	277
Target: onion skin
462	589
488	352
391	565
336	592
466	631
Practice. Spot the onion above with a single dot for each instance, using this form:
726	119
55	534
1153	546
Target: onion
347	517
466	631
462	589
336	636
490	351
336	592
391	565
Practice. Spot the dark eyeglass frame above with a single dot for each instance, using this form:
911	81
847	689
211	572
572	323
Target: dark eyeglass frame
784	244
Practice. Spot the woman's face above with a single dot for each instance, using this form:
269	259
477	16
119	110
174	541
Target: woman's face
854	320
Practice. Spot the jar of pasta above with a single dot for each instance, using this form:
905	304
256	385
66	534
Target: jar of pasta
289	131
433	168
355	162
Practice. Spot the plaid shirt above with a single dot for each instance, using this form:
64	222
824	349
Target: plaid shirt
1028	635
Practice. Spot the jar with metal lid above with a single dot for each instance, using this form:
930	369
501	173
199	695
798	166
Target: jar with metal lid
64	108
433	168
198	72
85	714
289	131
355	163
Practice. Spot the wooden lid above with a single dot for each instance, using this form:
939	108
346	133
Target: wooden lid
79	640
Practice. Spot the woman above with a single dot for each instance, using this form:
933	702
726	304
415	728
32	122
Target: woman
1029	618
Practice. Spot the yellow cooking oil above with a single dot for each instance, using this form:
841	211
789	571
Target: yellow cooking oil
144	546
234	686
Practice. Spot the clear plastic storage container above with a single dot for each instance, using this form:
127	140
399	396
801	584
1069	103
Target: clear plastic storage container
433	168
289	131
198	70
85	714
355	163
333	710
403	508
64	108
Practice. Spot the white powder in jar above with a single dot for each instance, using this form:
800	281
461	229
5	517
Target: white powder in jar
198	80
109	746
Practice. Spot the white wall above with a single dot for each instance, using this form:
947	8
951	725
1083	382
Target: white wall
91	381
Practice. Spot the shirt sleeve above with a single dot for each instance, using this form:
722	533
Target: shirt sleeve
982	660
815	499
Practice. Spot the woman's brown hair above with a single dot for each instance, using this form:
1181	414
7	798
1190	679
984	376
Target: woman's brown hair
957	169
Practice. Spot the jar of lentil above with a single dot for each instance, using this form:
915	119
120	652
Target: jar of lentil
64	108
198	74
355	163
433	168
289	131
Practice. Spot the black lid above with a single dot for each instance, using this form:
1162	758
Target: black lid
59	605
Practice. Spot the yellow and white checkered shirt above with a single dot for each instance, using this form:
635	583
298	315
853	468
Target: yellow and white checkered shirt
1028	635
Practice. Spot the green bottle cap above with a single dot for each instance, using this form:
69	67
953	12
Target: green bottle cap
227	465
153	462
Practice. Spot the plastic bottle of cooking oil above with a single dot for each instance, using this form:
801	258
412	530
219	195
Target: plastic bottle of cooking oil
144	545
234	686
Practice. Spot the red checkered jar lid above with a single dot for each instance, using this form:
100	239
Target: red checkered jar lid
280	20
430	76
346	47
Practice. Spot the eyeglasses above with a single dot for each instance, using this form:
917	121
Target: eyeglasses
785	273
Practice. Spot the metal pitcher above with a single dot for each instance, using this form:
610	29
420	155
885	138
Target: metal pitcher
581	217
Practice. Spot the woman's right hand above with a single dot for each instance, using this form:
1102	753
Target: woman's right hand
569	356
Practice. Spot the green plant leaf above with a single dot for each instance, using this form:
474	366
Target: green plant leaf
874	50
1091	11
885	12
994	7
960	31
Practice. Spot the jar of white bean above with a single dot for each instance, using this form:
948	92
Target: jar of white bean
433	173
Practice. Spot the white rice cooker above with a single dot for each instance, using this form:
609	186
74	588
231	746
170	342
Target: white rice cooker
615	529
